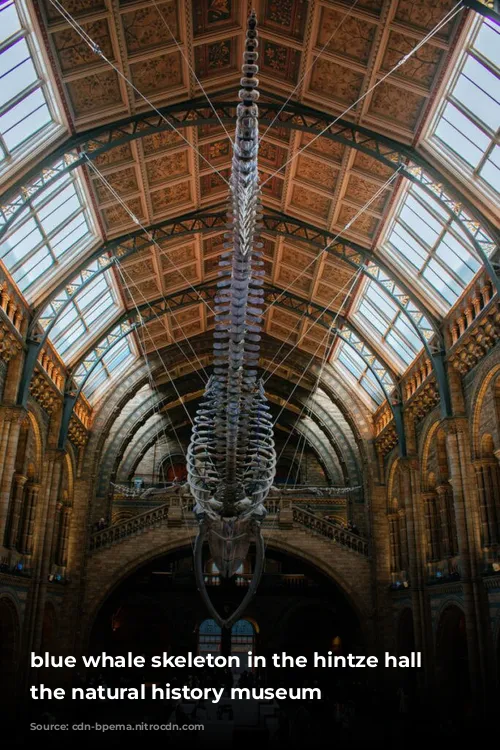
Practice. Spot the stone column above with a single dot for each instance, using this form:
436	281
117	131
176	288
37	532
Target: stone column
445	521
469	545
16	510
45	544
394	543
432	546
416	547
380	546
486	522
28	518
62	545
490	474
12	417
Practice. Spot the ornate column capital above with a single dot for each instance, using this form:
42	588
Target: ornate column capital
443	489
13	413
455	425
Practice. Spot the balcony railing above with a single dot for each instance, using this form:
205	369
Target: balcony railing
331	531
158	515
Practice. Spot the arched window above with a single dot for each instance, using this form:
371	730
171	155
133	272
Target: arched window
209	638
242	637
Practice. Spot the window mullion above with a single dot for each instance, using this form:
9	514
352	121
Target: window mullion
36	84
16	37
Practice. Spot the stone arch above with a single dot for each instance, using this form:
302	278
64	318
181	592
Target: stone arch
10	633
487	375
452	670
487	445
425	451
183	538
392	478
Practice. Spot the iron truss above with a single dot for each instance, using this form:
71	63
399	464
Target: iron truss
488	8
358	257
130	320
90	144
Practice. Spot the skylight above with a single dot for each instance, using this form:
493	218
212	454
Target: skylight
86	314
25	113
359	370
380	316
56	227
424	240
465	128
105	371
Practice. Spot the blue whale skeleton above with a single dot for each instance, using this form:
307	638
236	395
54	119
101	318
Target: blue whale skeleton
231	459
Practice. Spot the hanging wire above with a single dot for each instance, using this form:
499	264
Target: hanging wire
313	357
192	70
98	51
356	216
309	68
447	18
151	238
349	284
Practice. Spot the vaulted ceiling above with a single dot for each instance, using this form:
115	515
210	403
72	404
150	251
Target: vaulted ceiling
168	50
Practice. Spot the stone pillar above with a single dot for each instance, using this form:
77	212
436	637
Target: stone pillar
16	510
11	423
380	546
403	540
28	518
416	546
63	539
431	527
445	521
45	544
469	545
285	519
394	543
42	552
175	512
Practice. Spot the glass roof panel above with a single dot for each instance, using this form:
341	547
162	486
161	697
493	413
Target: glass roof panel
111	365
25	114
383	319
349	359
425	241
465	129
85	315
48	235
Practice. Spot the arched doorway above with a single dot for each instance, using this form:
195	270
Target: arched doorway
158	608
452	666
9	649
